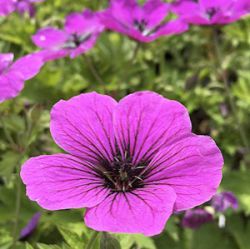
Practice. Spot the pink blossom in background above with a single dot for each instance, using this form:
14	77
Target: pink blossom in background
21	6
223	201
207	12
6	7
131	163
195	218
143	23
14	74
79	35
30	227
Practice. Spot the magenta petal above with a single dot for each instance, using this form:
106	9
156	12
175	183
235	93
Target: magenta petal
155	11
146	122
223	4
50	55
49	38
12	79
10	86
6	7
186	8
174	27
141	211
83	126
80	23
123	11
192	167
27	66
5	60
62	181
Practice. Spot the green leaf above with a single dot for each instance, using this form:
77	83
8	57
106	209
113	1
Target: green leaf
8	163
44	246
72	238
109	242
237	182
28	246
239	227
211	236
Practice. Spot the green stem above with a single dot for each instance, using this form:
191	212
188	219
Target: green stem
92	240
94	72
7	134
228	92
17	212
135	52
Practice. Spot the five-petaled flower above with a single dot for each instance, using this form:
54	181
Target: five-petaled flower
13	75
21	6
207	12
143	23
131	164
79	35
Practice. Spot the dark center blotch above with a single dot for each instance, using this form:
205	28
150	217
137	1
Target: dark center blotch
141	25
211	12
76	40
122	176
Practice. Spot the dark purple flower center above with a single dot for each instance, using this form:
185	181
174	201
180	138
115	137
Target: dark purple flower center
76	40
211	12
141	25
122	176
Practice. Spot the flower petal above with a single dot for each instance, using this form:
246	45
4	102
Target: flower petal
83	126
6	7
5	60
62	181
155	11
144	211
10	86
173	27
80	23
50	55
49	38
27	67
30	227
192	167
195	218
146	122
123	11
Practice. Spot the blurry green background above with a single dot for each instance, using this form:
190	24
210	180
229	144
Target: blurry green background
184	68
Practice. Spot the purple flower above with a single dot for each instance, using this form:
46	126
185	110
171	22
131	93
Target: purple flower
13	75
79	35
6	7
224	200
30	227
21	6
195	218
131	164
207	12
143	23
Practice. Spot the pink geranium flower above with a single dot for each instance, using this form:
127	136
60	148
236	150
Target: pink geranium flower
21	6
143	23
79	35
207	12
13	75
131	164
